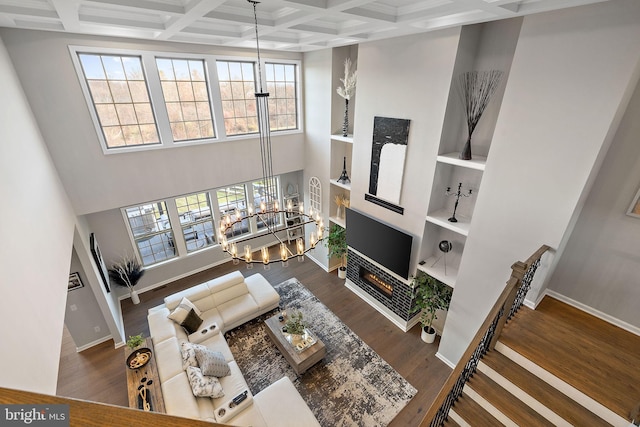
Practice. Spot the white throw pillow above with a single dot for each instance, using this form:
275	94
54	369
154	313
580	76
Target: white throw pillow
204	386
182	311
188	355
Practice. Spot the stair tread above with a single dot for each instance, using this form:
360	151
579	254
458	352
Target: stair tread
513	408
450	423
473	413
556	401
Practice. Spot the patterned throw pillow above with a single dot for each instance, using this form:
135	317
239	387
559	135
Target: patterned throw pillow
182	311
212	362
188	355
204	386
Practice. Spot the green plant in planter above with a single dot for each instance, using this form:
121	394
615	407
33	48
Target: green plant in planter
135	341
337	244
430	295
295	324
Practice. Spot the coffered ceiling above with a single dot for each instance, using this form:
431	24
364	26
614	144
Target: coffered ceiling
288	25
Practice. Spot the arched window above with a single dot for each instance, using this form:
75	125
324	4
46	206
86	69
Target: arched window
315	194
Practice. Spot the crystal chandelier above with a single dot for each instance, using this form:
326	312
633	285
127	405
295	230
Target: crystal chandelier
269	207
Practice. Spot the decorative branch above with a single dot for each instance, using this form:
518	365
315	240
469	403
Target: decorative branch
476	89
127	272
349	81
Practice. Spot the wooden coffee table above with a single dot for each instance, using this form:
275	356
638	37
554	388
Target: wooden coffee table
301	361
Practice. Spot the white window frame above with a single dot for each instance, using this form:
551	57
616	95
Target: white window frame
156	97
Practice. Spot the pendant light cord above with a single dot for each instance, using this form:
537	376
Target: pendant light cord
255	17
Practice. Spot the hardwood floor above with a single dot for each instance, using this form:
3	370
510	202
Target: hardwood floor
98	374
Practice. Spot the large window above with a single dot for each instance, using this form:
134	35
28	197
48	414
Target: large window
152	233
237	92
281	85
184	86
196	220
120	99
232	202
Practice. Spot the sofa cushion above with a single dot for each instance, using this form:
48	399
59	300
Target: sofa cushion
203	386
193	294
231	293
232	385
168	358
280	398
236	311
216	342
261	290
211	362
192	322
223	282
178	398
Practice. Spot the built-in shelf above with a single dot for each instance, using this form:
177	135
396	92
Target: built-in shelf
441	218
340	221
348	138
341	185
477	162
437	271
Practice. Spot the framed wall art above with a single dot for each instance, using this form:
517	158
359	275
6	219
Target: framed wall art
97	257
634	209
74	282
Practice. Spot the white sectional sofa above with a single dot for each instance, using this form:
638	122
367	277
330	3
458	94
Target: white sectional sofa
224	303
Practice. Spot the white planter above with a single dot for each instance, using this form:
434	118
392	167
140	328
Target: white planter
134	297
428	337
342	273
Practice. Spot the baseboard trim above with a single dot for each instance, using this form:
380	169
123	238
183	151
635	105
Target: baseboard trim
93	343
594	312
446	361
322	266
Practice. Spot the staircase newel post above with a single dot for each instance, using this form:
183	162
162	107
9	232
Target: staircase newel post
518	269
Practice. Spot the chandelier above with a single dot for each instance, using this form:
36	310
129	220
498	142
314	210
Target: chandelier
270	211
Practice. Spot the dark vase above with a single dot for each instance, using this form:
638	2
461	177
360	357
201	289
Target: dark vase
465	154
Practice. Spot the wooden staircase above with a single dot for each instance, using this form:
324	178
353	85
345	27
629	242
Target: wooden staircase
553	366
511	389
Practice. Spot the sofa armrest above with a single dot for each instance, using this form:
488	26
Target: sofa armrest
281	405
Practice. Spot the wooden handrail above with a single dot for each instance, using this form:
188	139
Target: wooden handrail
488	331
83	413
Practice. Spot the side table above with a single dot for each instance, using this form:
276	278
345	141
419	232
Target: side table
146	378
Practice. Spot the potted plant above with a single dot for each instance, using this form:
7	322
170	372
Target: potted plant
337	245
430	295
295	326
135	341
127	273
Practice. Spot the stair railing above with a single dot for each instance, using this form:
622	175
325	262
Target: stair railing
509	302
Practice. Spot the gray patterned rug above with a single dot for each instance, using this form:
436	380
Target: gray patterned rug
351	386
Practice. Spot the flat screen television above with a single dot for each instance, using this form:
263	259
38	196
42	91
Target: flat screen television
382	243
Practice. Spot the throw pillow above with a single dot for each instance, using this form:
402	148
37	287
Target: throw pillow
212	362
188	355
204	386
182	311
192	322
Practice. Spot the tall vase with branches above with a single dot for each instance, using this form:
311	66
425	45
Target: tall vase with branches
126	273
476	89
347	91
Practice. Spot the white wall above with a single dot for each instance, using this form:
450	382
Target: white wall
572	72
96	182
83	314
406	78
37	232
599	267
317	112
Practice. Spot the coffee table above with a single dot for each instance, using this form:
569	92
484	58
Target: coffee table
299	361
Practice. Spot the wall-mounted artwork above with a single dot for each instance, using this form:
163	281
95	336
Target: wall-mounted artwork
634	209
74	282
388	152
97	257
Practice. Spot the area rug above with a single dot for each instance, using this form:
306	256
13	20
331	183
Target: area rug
351	386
